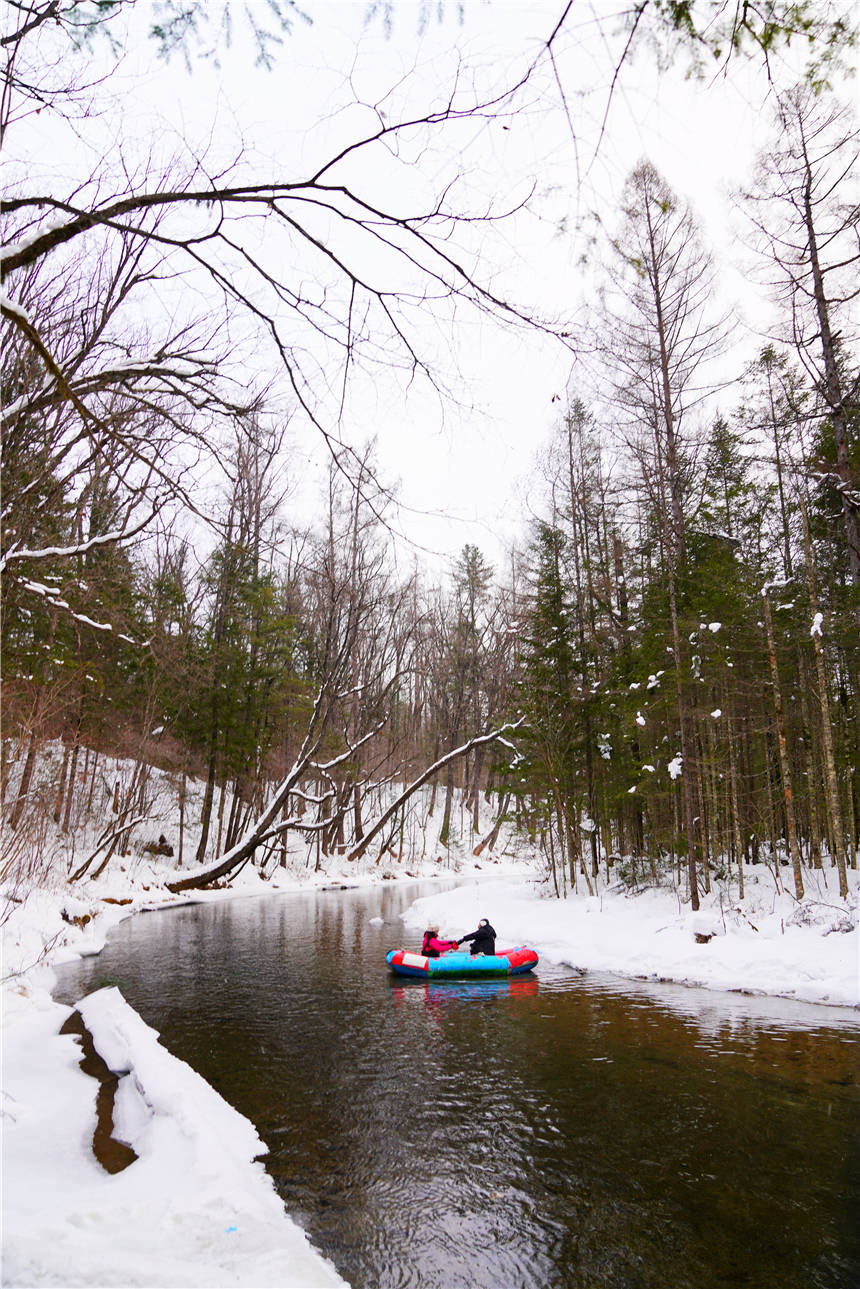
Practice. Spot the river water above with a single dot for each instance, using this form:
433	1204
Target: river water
551	1132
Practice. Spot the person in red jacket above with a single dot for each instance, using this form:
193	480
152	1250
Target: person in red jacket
433	946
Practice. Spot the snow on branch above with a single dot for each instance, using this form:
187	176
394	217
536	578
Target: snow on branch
52	595
115	537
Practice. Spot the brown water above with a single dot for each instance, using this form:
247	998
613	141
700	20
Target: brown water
555	1132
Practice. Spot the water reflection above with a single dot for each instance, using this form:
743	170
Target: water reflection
705	1008
563	1131
438	993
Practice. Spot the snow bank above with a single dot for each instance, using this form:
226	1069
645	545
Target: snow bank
771	945
193	1209
196	1208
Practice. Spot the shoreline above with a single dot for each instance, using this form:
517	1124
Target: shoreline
198	1175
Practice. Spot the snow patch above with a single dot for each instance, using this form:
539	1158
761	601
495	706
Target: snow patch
193	1209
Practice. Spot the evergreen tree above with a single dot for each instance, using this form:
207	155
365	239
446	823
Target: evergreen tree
551	740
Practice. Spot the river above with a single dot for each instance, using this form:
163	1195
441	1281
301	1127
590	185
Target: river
559	1131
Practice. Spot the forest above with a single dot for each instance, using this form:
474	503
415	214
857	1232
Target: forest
659	683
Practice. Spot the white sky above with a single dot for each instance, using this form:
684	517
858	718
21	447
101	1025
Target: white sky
464	460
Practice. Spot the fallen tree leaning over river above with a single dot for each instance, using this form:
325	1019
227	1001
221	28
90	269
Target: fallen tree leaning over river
399	802
265	828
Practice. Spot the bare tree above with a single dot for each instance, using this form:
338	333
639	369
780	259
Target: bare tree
304	278
99	418
660	329
804	208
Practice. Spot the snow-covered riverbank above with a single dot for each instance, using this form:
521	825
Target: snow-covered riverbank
769	945
195	1208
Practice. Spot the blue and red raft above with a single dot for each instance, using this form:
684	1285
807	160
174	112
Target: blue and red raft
507	962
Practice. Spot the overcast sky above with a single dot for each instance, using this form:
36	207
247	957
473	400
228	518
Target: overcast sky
465	459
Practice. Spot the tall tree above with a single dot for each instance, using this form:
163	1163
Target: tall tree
807	218
460	661
663	328
551	738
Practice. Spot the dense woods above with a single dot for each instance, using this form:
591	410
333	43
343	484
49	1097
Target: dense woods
671	655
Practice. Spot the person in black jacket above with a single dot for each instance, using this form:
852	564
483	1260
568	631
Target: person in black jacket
483	940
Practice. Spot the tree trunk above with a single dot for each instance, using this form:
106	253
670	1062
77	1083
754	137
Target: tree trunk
733	783
92	786
492	836
833	803
182	794
833	392
235	817
785	767
704	847
61	786
476	790
811	775
688	775
208	797
5	764
222	796
24	785
70	786
445	830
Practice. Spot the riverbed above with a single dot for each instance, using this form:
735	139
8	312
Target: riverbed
560	1131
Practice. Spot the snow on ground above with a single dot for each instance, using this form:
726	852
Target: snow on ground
196	1208
768	945
193	1209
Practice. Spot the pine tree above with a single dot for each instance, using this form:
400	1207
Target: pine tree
552	739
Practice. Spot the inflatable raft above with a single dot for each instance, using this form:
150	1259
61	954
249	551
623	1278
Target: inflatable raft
457	964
